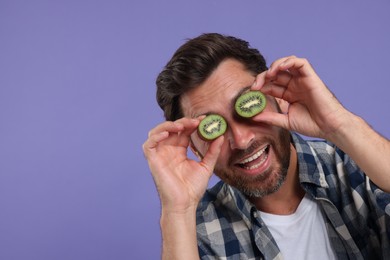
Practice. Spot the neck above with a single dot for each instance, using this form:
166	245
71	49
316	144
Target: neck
286	200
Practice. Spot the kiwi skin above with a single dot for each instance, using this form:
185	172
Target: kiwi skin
255	102
217	125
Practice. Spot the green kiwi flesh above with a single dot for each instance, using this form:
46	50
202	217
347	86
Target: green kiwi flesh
250	103
211	127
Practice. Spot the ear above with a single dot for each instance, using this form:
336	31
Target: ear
283	104
195	151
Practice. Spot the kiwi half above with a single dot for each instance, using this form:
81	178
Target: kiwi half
211	127
250	103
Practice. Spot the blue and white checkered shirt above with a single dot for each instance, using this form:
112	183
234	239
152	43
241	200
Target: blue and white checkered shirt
357	212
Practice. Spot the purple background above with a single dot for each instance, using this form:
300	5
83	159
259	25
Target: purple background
77	99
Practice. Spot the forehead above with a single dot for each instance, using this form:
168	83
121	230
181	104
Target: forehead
219	91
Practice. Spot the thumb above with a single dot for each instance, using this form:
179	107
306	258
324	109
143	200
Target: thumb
273	118
211	156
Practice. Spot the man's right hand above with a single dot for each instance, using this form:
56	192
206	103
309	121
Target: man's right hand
180	181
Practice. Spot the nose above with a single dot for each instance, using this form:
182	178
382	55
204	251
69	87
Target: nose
240	135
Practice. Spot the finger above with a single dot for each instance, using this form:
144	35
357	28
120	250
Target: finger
273	118
275	66
259	81
152	142
175	126
211	156
274	90
190	126
295	66
281	78
167	126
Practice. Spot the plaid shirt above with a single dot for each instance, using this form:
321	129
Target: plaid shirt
357	212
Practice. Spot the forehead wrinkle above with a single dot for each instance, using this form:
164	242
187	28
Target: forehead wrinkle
203	97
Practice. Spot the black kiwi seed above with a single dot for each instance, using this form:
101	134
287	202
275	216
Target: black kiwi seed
211	127
250	103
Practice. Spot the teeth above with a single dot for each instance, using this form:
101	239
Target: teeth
255	156
258	164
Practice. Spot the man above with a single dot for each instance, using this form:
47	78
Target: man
279	196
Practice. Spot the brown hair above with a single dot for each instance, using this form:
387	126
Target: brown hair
194	61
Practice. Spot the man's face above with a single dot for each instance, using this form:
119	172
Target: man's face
254	157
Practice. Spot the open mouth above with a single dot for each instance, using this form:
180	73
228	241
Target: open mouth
255	160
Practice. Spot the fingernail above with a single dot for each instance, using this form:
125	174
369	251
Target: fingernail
254	83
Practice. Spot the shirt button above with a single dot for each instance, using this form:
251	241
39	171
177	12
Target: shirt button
254	214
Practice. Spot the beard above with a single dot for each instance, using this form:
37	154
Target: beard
267	182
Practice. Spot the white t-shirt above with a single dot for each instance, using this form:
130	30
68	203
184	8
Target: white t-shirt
301	235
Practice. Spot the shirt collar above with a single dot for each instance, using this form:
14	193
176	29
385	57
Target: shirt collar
310	168
310	173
